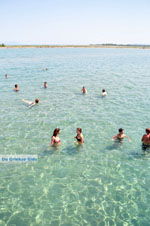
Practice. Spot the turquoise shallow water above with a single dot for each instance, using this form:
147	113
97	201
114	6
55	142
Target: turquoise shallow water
97	184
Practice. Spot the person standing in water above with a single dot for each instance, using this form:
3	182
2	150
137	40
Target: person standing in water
146	140
55	140
79	137
120	136
16	89
45	85
104	93
84	90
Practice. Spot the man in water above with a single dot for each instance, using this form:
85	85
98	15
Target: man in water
146	140
120	136
84	90
16	89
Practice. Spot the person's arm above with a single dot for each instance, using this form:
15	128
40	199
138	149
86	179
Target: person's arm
52	141
31	105
115	137
82	139
27	101
143	138
128	138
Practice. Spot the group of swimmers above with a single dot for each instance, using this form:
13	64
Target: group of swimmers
16	88
30	103
55	140
45	85
84	91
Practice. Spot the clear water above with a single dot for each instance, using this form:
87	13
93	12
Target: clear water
97	184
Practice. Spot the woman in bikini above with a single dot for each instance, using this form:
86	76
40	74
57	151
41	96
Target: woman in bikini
55	140
120	136
146	140
79	137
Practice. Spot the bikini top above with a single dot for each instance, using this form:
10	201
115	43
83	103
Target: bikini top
78	138
54	140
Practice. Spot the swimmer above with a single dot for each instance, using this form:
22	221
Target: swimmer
146	140
45	69
120	136
84	90
55	140
45	85
104	93
79	137
6	76
31	103
16	89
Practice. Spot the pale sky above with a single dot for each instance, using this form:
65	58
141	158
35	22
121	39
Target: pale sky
75	22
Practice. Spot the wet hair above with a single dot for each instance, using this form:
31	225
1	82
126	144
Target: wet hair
79	129
120	130
103	90
45	82
16	85
36	101
148	130
56	131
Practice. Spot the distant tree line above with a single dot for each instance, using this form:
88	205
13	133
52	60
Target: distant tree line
2	45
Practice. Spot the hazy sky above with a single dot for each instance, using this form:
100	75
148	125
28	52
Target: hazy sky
74	21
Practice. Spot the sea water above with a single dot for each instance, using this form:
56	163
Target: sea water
99	183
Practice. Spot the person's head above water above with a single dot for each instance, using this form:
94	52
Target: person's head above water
147	130
37	101
56	132
120	130
103	90
16	88
79	130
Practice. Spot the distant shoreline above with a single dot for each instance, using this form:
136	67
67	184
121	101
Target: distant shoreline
78	46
